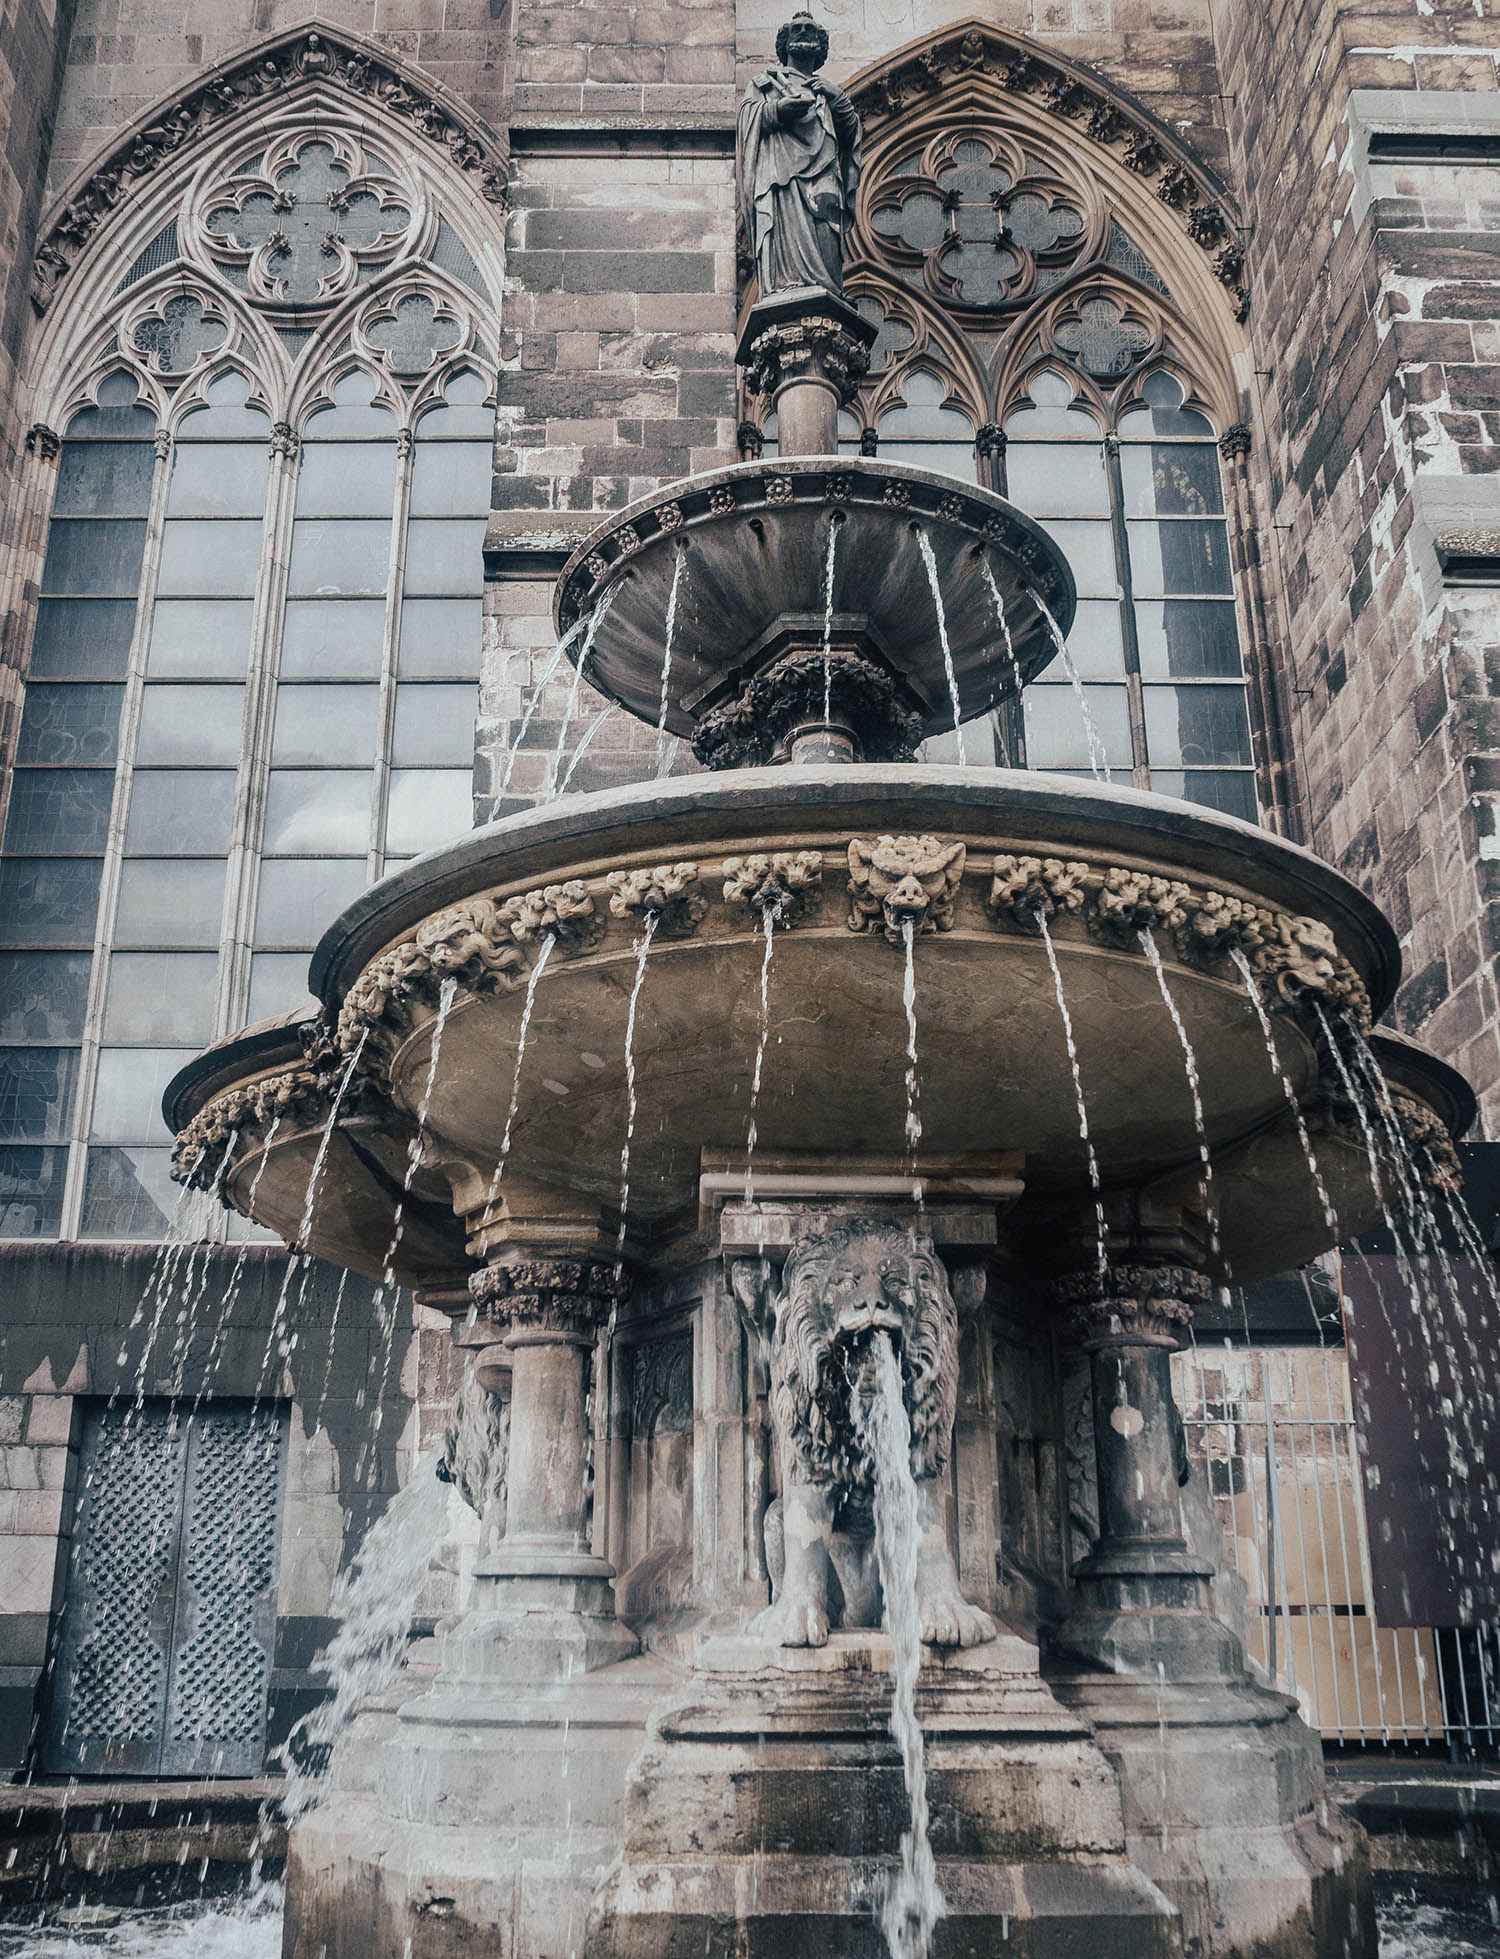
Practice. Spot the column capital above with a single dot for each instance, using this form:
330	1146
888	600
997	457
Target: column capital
1130	1305
565	1298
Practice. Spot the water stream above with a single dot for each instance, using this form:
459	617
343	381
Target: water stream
913	1080
762	1035
539	687
913	1903
642	948
833	539
1330	1216
1195	1090
1095	1181
1098	756
924	546
544	952
679	567
570	708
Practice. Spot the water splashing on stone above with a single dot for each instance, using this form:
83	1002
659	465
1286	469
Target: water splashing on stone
913	1903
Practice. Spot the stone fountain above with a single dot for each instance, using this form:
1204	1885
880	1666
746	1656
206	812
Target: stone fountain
661	1726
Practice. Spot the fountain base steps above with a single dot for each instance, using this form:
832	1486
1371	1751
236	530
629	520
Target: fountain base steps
1226	1811
764	1814
481	1818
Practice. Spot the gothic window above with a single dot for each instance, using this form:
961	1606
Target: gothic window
254	665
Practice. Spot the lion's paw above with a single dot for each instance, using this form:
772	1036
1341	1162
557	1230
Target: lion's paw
948	1619
792	1622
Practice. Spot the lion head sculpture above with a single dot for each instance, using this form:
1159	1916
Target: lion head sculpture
837	1288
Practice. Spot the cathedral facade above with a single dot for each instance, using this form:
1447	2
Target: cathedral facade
326	333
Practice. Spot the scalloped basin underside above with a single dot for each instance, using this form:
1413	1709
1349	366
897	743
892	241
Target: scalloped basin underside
750	561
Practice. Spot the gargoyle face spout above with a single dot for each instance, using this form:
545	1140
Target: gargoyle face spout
906	899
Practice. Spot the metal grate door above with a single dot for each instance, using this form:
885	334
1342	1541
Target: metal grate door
164	1661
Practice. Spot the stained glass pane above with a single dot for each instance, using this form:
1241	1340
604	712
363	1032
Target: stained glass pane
300	898
82	639
43	995
36	1094
441	639
1196	726
278	985
157	996
70	724
318	812
1188	639
1057	479
1056	732
128	1194
333	558
325	724
347	479
1228	790
1179	556
451	479
65	810
128	1092
199	639
445	555
434	723
190	724
48	900
1090	552
104	479
31	1192
209	558
92	557
187	812
428	807
332	639
218	479
170	901
1176	479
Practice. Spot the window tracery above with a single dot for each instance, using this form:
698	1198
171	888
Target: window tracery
253	679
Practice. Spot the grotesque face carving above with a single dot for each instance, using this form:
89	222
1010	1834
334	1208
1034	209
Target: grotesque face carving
838	1290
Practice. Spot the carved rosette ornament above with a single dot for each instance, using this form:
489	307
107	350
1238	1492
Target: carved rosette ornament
470	944
565	912
904	885
780	885
667	893
568	1297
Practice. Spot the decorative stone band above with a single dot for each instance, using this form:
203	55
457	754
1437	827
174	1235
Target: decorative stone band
1130	1305
471	943
569	1297
1291	955
256	1107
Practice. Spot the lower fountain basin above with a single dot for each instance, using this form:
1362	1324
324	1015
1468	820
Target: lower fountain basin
994	1077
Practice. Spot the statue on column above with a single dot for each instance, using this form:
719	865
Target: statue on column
799	162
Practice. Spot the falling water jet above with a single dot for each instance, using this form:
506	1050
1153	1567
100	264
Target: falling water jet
1195	1089
538	688
768	919
833	538
1330	1216
1098	755
913	1081
679	568
924	546
578	753
913	1903
642	948
544	953
998	601
1095	1181
596	618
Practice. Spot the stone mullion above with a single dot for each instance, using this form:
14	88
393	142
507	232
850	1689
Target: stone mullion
242	873
1264	668
114	844
21	583
1140	754
390	651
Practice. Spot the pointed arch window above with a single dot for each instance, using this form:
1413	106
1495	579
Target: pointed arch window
254	666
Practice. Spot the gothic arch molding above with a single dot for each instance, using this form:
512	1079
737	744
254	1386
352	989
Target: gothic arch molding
281	68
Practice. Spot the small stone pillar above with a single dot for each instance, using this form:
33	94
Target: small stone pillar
543	1600
1144	1596
807	349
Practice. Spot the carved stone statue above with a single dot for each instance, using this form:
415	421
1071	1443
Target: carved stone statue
836	1288
799	160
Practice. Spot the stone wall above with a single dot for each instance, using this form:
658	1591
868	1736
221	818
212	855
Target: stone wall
1378	432
89	1322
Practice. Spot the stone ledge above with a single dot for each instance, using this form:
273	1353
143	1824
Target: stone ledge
1455	532
1411	113
686	132
533	544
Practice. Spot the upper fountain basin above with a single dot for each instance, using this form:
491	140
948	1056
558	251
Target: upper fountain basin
856	852
756	539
